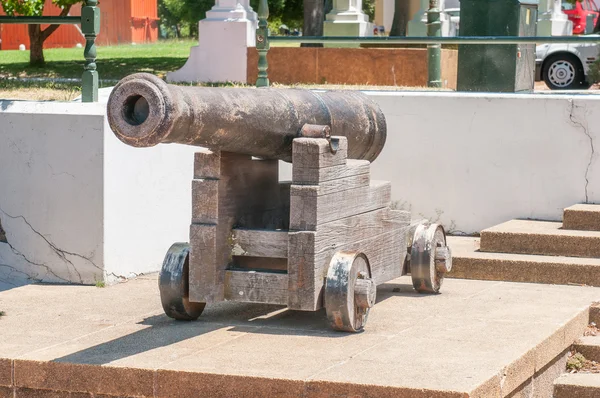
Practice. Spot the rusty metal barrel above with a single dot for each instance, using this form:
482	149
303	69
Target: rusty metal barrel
144	111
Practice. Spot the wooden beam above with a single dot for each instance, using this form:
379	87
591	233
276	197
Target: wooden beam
312	176
260	243
334	186
232	189
256	287
315	153
307	209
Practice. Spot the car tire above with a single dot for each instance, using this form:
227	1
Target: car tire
563	72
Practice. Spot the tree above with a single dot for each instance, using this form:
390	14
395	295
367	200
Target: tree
186	11
37	36
189	12
401	17
314	16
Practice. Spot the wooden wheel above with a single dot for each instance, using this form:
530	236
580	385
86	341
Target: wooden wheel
349	291
430	258
173	283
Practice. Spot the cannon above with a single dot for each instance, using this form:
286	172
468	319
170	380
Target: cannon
327	238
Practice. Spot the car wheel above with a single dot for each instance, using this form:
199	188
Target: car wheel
563	72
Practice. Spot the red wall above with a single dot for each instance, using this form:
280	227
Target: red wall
144	15
122	21
14	35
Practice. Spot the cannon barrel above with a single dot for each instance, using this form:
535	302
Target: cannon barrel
144	111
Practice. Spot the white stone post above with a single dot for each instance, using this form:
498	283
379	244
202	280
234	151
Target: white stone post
347	19
552	21
221	55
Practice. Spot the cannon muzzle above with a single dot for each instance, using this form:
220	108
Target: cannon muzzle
144	111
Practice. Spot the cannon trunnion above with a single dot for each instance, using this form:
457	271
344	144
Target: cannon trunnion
325	239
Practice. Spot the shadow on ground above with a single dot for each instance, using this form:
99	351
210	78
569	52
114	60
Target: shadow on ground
236	317
112	68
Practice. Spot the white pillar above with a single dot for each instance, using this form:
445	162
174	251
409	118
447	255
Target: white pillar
389	7
552	21
347	19
221	55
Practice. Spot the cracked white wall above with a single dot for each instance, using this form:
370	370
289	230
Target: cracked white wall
78	206
50	194
475	160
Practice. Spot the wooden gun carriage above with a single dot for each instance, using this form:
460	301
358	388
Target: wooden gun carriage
325	239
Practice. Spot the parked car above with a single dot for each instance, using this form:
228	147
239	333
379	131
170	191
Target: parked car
578	13
565	66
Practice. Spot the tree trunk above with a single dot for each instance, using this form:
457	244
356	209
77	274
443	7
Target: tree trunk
313	20
401	18
36	40
37	37
329	7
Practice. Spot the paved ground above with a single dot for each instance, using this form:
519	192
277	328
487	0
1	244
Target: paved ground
478	338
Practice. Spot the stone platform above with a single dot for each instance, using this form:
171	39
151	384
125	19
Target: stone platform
477	339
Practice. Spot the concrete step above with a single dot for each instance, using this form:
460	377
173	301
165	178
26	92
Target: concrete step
468	262
477	339
582	217
577	385
595	314
589	347
540	237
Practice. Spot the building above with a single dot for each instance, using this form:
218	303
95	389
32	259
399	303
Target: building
122	21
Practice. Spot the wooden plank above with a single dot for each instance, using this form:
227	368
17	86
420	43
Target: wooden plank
256	287
312	176
307	210
207	164
206	282
260	263
333	186
246	189
301	271
385	252
310	252
260	243
307	271
314	153
334	235
205	201
277	214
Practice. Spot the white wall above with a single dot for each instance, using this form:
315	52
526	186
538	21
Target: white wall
147	204
472	161
51	192
79	206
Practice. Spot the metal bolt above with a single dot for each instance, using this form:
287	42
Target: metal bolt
443	259
365	293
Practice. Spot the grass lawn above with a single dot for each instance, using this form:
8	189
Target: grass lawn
18	79
114	62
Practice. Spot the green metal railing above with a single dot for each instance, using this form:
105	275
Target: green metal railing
433	41
90	27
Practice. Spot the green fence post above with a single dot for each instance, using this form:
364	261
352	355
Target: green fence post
90	27
262	44
434	51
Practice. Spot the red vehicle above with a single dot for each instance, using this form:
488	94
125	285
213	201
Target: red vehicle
578	13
